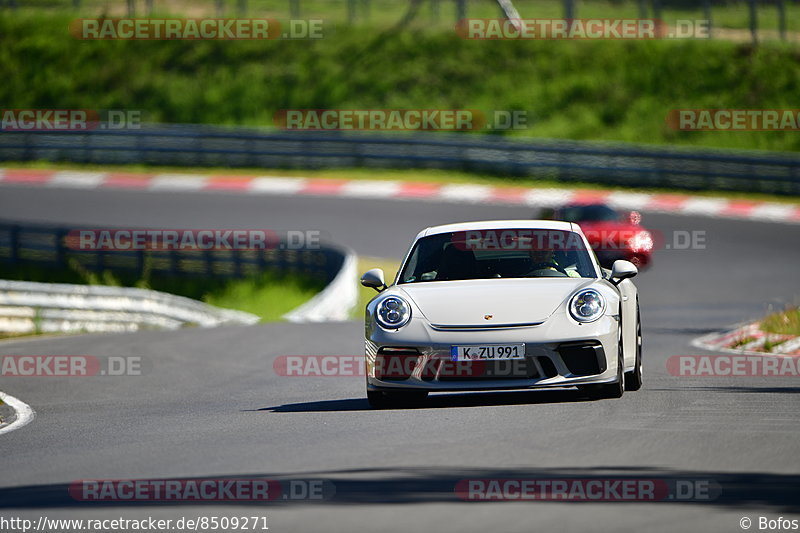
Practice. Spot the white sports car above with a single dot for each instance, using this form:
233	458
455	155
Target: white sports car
504	304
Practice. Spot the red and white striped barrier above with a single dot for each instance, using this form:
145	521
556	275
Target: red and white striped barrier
676	203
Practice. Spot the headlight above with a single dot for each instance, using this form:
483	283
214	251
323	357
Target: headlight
587	306
393	312
641	242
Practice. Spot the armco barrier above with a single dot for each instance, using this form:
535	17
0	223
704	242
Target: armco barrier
606	163
42	245
59	307
26	306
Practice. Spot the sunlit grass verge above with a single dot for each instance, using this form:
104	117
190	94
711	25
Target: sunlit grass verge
269	295
783	323
365	294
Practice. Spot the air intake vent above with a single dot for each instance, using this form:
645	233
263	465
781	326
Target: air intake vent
395	363
583	358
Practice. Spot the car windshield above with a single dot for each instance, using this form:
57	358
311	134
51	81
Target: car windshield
506	253
588	213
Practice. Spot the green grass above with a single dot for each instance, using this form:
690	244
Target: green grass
742	341
604	90
268	295
783	323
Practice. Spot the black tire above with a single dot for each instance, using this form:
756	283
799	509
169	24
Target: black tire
386	400
633	379
377	399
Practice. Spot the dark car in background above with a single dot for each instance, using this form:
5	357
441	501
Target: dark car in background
613	234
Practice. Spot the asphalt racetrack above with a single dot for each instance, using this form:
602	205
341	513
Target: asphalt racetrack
211	405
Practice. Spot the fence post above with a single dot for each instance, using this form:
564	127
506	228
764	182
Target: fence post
569	9
131	8
174	262
351	11
220	8
707	14
657	9
209	262
781	18
461	10
61	248
294	9
14	238
242	7
642	9
753	20
237	264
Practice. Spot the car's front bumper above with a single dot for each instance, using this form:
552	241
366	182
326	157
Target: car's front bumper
558	353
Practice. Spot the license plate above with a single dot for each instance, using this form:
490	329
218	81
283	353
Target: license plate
489	352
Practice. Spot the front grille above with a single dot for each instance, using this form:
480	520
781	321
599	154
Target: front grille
583	358
548	367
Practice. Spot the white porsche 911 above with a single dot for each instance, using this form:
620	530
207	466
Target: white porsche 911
507	304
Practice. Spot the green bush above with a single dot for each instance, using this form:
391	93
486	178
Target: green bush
610	90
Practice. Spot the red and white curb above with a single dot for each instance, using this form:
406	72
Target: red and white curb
674	203
749	339
23	413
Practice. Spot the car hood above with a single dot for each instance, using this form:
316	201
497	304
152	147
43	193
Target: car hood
505	301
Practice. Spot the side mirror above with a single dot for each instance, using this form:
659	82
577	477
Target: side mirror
374	278
621	270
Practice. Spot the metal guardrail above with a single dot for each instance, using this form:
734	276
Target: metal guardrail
47	246
59	307
30	306
606	163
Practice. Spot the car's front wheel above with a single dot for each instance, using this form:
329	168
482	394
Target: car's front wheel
387	400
